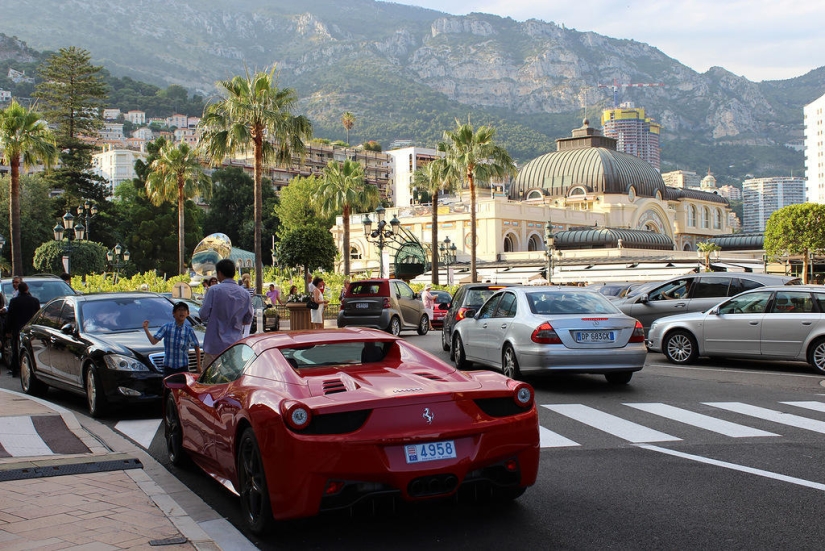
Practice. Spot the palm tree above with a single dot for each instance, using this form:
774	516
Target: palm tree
255	115
348	120
25	137
434	177
343	190
473	154
175	176
707	248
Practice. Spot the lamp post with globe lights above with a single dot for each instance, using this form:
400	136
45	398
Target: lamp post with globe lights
379	236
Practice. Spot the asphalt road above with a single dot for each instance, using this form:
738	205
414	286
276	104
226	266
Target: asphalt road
622	467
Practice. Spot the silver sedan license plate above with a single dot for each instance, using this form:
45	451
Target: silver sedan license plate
588	337
419	453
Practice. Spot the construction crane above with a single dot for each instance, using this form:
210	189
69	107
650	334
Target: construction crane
616	85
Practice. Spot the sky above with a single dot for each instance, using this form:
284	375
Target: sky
756	39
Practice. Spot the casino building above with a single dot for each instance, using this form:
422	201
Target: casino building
612	219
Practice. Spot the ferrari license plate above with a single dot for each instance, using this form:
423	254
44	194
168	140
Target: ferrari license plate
419	453
595	336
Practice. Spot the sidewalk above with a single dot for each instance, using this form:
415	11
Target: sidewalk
67	483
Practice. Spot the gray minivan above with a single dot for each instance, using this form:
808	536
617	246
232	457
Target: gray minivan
694	293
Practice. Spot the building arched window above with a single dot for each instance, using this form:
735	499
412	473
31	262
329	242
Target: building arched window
691	216
509	244
705	217
355	253
717	219
534	243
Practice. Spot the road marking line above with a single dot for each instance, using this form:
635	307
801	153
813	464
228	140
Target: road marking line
735	467
701	421
611	424
141	431
550	439
815	406
20	439
788	419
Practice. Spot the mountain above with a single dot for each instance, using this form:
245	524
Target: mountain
408	73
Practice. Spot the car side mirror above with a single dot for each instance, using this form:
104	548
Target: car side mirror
714	311
643	298
470	313
416	296
68	329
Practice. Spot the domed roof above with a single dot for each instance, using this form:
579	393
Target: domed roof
597	169
708	182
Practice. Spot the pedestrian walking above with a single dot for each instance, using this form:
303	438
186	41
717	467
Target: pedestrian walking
274	295
226	307
317	315
177	337
429	303
22	308
246	283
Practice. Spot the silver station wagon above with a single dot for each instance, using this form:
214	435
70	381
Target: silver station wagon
770	323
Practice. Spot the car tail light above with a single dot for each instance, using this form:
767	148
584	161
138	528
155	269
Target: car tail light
386	304
638	333
296	415
545	334
523	395
334	487
461	314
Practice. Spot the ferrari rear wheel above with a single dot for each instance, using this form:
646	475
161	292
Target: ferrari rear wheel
173	432
509	363
255	505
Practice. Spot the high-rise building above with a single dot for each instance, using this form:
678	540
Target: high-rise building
814	131
682	179
762	196
634	133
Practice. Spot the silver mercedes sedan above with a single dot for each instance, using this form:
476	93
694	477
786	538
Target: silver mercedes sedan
769	323
531	330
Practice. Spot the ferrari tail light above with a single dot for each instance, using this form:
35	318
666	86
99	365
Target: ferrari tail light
334	487
638	333
545	334
461	314
297	415
386	303
511	465
523	395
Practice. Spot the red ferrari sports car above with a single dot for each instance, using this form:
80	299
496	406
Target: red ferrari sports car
308	421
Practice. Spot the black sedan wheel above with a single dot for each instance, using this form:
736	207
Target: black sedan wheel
94	393
173	432
816	356
255	506
509	363
29	382
680	348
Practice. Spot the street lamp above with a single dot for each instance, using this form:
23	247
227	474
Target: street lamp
71	232
88	211
118	258
447	256
550	243
379	235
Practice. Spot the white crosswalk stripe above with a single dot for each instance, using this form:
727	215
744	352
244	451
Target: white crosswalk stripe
611	424
782	418
701	421
20	439
815	406
550	439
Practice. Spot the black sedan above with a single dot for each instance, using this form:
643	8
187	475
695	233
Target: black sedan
95	345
